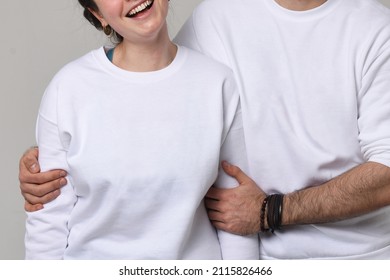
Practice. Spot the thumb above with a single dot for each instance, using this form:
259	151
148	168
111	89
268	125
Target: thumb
34	167
30	160
235	171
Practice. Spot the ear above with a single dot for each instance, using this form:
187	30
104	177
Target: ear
99	16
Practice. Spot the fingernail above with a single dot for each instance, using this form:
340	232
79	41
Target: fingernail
62	173
62	182
225	164
34	167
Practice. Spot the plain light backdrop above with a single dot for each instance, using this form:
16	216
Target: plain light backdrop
38	38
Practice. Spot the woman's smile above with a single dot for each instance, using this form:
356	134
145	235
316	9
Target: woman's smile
140	8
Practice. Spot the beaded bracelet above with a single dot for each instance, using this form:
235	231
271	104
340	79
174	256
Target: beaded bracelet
262	214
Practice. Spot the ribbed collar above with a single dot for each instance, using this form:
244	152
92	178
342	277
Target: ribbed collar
308	15
141	77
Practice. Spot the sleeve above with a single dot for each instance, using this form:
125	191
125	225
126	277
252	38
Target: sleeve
47	229
374	99
233	150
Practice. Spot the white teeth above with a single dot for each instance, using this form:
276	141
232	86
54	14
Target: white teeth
141	7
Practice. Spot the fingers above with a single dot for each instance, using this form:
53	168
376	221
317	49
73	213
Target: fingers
32	207
39	193
215	193
29	161
38	188
215	216
35	200
40	178
219	222
36	195
235	172
216	213
29	170
212	204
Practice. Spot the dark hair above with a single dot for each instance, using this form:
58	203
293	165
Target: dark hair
90	4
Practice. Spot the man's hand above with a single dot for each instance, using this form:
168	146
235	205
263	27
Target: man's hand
236	210
38	188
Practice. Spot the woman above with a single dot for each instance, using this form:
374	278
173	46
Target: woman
140	129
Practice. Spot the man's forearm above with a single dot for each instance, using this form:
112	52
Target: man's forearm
363	189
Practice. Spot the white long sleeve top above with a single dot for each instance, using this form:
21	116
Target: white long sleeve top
315	96
141	151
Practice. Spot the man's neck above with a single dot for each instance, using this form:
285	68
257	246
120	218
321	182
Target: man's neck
300	5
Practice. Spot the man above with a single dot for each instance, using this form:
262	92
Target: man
314	78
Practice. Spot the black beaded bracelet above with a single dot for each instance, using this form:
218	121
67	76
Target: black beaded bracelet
262	214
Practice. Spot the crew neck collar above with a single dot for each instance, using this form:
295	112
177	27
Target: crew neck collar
175	65
307	15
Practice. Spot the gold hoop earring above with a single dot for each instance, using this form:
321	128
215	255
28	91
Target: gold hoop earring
107	30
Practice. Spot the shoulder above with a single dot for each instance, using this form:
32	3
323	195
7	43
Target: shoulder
216	12
72	74
206	74
79	68
379	15
367	21
200	61
81	64
369	13
219	6
207	4
377	8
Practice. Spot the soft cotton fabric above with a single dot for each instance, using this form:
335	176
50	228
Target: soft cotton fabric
315	96
141	151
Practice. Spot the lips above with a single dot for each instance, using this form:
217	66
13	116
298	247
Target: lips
140	8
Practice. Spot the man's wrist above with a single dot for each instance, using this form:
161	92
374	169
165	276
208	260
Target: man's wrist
271	213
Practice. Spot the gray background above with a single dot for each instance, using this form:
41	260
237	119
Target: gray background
38	38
